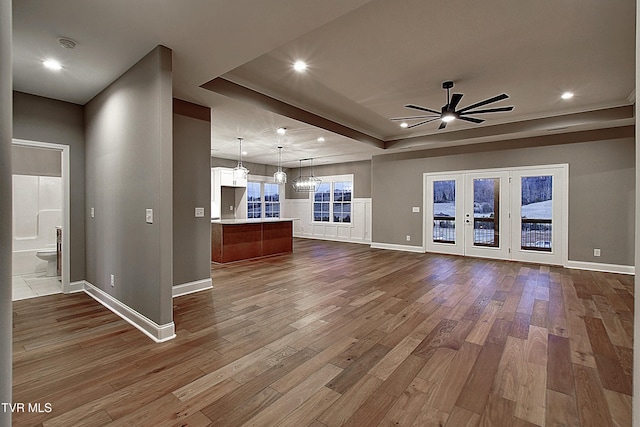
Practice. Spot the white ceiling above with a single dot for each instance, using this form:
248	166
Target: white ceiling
367	59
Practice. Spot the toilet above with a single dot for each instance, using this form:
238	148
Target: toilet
51	257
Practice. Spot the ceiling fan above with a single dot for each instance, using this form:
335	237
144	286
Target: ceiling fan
449	113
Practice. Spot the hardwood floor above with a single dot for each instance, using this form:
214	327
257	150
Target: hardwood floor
342	334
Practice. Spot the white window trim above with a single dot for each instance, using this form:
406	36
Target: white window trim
332	179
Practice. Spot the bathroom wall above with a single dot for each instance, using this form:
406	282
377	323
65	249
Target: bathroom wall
47	120
37	205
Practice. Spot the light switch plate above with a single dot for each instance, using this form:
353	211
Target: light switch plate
199	212
416	209
149	216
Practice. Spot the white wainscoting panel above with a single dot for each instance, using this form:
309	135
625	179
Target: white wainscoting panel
359	231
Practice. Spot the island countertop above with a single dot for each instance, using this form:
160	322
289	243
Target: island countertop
250	221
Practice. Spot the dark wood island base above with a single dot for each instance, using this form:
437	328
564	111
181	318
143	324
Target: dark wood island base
235	240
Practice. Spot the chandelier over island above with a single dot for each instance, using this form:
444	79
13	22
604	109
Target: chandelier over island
307	183
240	172
280	177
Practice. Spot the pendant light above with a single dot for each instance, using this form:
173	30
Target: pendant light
280	177
240	172
308	183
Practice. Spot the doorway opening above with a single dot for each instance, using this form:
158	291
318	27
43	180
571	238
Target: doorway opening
41	223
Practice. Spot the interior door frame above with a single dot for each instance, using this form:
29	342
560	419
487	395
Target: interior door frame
560	197
66	205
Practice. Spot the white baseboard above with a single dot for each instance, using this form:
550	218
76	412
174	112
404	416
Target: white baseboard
606	268
331	239
191	287
394	247
76	287
158	333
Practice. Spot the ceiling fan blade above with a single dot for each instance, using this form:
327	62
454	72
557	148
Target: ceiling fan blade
485	102
423	122
412	118
471	119
455	99
417	107
490	110
442	125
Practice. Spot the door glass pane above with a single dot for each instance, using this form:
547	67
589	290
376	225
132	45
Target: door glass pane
486	203
536	213
444	211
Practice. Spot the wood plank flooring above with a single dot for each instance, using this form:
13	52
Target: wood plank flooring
341	334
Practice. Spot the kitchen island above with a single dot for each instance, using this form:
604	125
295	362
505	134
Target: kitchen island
240	239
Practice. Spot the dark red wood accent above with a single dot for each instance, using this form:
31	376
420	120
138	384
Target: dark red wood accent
234	242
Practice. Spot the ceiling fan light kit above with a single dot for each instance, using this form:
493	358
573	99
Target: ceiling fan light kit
448	112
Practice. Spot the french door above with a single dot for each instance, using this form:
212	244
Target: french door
502	214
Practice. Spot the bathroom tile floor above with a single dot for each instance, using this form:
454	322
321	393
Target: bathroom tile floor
35	285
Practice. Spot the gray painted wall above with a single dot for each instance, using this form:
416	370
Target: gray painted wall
35	161
601	187
192	188
254	168
6	313
46	120
361	177
128	170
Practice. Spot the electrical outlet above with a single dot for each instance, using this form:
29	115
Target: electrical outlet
596	252
230	208
149	216
113	281
93	212
408	238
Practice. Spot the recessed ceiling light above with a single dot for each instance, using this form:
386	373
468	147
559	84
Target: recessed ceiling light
244	153
567	95
404	125
52	64
300	66
321	139
281	131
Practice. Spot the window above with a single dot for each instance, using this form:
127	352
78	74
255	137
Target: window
332	200
254	200
263	200
342	201
271	200
322	202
